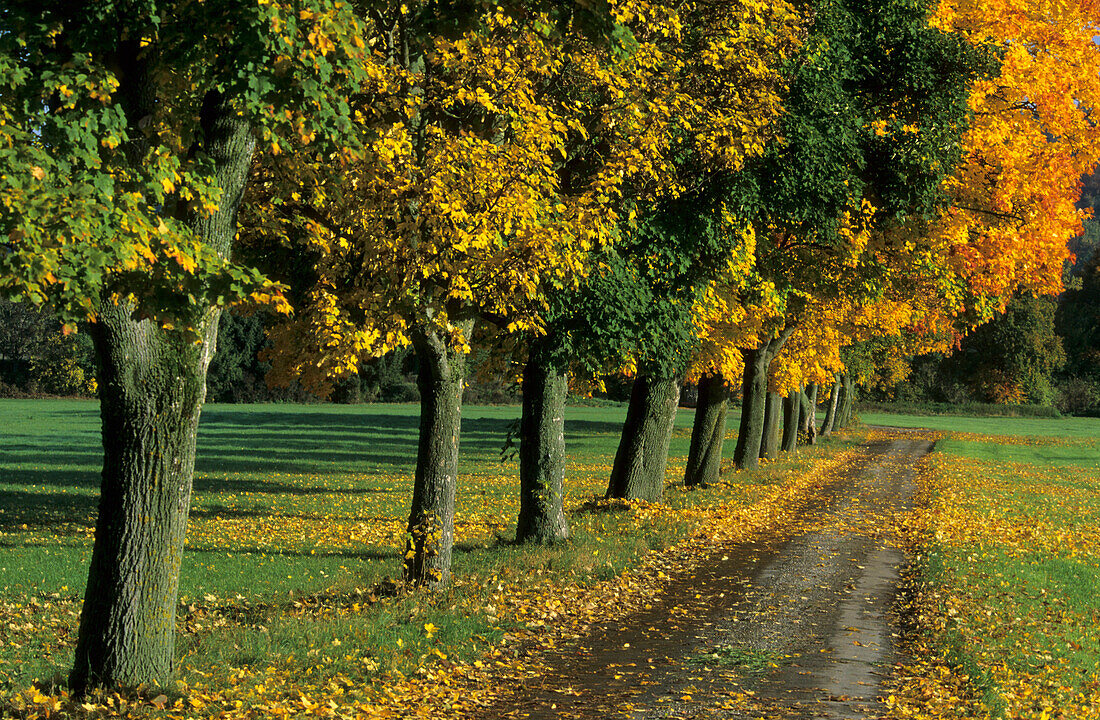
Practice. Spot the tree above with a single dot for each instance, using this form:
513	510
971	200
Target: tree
867	143
127	133
1013	357
501	142
37	357
1034	135
708	432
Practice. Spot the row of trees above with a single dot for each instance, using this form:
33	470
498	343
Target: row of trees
720	190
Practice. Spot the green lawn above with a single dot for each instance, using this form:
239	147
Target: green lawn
1087	429
1014	557
298	515
298	465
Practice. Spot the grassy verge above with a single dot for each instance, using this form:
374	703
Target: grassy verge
1010	563
297	524
960	409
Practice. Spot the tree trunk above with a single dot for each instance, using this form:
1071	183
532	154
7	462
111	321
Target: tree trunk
847	400
639	471
542	454
152	386
754	389
810	410
441	376
773	412
830	415
803	411
708	433
792	404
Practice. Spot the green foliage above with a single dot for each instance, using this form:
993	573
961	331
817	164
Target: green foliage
36	357
1078	322
636	303
876	106
101	187
1012	358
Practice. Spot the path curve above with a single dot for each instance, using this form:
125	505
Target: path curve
795	625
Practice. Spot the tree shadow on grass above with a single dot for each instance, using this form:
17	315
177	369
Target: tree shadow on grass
37	510
75	478
218	484
372	552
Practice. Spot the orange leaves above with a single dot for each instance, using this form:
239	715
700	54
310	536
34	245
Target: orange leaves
1031	140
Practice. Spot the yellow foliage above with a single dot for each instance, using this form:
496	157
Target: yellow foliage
493	168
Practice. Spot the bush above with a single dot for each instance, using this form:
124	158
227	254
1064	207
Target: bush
1078	396
973	409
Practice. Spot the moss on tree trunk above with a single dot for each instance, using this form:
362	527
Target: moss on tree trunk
542	454
152	384
441	378
792	408
639	471
708	433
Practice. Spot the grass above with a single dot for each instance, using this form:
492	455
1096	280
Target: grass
961	409
743	659
1012	560
1085	429
297	524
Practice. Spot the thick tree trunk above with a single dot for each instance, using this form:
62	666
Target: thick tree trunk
847	400
809	421
542	454
152	386
639	471
829	423
440	379
754	390
708	433
773	414
792	406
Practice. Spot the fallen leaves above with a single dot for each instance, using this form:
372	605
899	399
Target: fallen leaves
1007	550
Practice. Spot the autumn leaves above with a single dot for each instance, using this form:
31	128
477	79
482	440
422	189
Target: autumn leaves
731	189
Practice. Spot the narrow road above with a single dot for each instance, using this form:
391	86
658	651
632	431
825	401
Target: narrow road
795	626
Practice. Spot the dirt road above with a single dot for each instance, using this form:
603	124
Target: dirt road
796	625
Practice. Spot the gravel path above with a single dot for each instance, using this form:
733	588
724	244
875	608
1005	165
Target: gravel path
797	625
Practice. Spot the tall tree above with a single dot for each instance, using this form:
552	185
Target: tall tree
877	103
502	139
1034	135
128	129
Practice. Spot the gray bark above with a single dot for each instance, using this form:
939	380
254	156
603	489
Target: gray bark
792	406
754	389
542	455
773	413
829	424
708	433
847	400
152	386
810	410
639	471
441	378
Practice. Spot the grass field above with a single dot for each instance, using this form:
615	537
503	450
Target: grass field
297	520
1011	563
